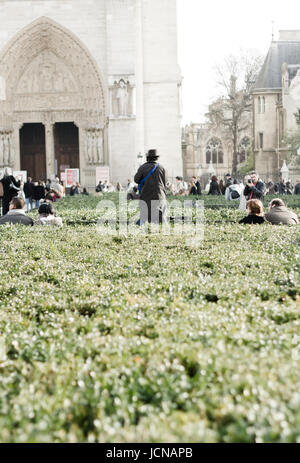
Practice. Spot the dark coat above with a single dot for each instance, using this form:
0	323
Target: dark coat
196	189
99	187
74	191
282	188
214	188
253	219
16	217
28	189
38	192
257	191
9	193
297	189
155	187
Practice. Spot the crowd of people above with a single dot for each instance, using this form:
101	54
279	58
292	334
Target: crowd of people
19	198
35	193
229	187
106	187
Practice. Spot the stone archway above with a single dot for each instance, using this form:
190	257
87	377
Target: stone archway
48	76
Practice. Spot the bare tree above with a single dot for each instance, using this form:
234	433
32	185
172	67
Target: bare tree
235	78
292	140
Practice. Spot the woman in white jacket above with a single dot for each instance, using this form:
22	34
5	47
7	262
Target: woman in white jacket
243	200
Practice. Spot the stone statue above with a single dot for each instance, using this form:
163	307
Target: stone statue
11	149
47	76
122	98
100	148
94	148
2	89
89	148
34	83
6	149
59	83
1	150
67	84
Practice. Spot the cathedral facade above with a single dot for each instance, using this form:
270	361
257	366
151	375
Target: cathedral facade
88	83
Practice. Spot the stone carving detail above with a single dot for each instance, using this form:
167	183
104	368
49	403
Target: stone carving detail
48	69
47	74
122	98
2	89
47	102
94	151
121	95
6	149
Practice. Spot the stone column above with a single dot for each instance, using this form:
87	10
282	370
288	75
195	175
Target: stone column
139	72
82	148
16	146
106	146
49	140
87	172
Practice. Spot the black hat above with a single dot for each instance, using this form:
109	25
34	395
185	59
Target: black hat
152	154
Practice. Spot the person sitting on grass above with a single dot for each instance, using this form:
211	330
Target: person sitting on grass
280	214
50	196
16	213
256	213
47	215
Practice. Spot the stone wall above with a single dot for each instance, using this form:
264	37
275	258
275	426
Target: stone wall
162	79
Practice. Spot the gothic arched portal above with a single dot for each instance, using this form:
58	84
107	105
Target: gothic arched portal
48	76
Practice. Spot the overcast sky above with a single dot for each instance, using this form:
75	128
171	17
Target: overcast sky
212	29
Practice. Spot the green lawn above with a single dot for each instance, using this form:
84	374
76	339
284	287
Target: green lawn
145	339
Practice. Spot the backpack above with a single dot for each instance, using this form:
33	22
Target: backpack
234	194
1	190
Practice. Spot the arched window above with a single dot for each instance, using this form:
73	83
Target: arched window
214	157
221	157
214	151
244	149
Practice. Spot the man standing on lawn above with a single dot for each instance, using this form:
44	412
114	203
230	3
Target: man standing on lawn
254	188
28	192
151	180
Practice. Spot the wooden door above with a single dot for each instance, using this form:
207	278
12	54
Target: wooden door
66	143
33	151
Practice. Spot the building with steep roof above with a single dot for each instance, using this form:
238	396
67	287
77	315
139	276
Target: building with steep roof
276	100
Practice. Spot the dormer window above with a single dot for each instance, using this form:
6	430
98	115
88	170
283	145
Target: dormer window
261	105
